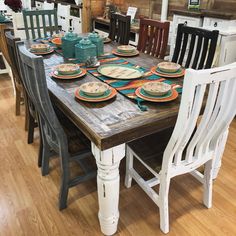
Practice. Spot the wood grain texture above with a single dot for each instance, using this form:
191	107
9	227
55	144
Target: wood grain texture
113	122
28	200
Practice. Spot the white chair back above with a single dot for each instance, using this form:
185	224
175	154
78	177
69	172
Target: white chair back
200	142
63	14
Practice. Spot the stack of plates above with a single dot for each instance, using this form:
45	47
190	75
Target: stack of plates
67	71
156	92
40	49
95	92
168	69
125	50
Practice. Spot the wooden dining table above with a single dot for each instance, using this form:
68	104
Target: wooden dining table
109	125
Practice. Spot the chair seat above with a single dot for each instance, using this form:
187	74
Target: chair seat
77	141
147	149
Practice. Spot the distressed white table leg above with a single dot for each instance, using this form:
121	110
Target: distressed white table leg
219	153
108	182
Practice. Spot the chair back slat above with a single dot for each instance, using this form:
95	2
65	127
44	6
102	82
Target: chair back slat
214	92
40	23
32	26
119	28
197	53
44	23
153	37
199	49
191	49
184	46
38	26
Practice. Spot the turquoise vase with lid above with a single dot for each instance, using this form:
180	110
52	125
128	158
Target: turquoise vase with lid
68	44
85	49
98	41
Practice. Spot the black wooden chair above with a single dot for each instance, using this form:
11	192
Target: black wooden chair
195	48
59	135
119	28
153	37
30	114
39	23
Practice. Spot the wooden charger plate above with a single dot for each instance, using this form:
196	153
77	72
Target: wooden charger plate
75	76
121	72
131	54
173	96
166	74
102	98
43	53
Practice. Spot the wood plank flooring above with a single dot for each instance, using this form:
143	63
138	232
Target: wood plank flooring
28	201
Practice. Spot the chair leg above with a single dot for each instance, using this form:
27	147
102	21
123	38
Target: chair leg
64	183
40	153
129	165
164	205
26	116
31	125
18	99
207	185
46	153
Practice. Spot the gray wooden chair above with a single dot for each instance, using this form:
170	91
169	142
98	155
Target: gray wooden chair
59	135
30	115
39	23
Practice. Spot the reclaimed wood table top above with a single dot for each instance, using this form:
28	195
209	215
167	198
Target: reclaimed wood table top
116	121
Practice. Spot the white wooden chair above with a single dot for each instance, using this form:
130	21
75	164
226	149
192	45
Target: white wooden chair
63	14
190	147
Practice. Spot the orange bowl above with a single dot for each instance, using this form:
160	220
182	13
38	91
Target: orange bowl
57	42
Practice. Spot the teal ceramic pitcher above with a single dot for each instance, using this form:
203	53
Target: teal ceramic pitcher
98	41
68	44
85	49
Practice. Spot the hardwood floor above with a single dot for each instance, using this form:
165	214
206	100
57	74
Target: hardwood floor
28	201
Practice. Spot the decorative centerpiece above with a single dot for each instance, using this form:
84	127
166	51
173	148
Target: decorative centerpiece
98	41
68	44
85	49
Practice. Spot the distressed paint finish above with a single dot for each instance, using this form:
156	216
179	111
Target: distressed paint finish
108	184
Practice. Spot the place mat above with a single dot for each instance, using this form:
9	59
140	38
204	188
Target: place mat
128	87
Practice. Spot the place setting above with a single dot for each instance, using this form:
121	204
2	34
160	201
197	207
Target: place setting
168	70
95	92
68	71
125	51
155	91
41	49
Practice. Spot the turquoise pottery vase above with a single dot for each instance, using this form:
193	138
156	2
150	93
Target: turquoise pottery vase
2	17
98	41
68	44
84	50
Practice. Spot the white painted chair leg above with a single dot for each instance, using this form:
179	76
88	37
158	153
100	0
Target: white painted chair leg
129	165
207	184
164	205
219	153
108	182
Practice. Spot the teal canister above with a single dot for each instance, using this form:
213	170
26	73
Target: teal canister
98	41
84	50
68	44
